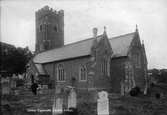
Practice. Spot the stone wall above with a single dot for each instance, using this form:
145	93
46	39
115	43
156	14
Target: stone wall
138	70
117	74
102	82
71	68
47	17
31	71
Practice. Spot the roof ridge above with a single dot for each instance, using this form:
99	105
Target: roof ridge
121	35
80	41
69	44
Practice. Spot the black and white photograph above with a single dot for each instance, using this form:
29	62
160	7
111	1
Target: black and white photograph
83	57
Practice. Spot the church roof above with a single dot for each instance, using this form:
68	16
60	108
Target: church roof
40	69
121	44
77	49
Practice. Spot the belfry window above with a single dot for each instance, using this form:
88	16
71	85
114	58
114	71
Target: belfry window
82	73
55	27
40	27
61	73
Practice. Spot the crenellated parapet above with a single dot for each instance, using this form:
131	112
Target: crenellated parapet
49	12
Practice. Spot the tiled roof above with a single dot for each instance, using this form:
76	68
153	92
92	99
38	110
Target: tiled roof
120	45
77	49
40	69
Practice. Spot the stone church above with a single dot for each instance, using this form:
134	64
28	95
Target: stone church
112	64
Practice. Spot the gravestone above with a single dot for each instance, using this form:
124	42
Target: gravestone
57	107
27	86
5	88
95	95
72	98
58	89
39	90
103	104
45	87
13	84
16	92
39	86
5	84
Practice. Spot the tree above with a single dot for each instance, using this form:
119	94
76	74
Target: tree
163	76
159	75
14	59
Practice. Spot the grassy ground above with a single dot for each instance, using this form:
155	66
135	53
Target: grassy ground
25	103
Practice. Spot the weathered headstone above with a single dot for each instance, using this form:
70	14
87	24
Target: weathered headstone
39	86
5	88
45	86
57	107
103	103
5	85
16	92
13	84
95	95
39	90
72	98
58	89
27	86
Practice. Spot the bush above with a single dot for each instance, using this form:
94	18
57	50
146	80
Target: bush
133	92
157	95
152	84
19	82
6	106
138	89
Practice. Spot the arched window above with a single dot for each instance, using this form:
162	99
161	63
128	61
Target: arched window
60	74
138	60
55	27
105	64
82	73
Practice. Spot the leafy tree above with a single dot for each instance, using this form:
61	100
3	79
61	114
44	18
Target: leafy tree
14	59
159	75
163	76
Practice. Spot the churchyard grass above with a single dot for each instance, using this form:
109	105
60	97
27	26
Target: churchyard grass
26	102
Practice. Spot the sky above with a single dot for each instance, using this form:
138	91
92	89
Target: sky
81	16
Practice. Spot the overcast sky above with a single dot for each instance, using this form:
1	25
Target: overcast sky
119	16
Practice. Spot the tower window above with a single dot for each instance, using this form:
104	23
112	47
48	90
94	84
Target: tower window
40	27
55	27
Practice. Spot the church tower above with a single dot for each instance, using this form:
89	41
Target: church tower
49	29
